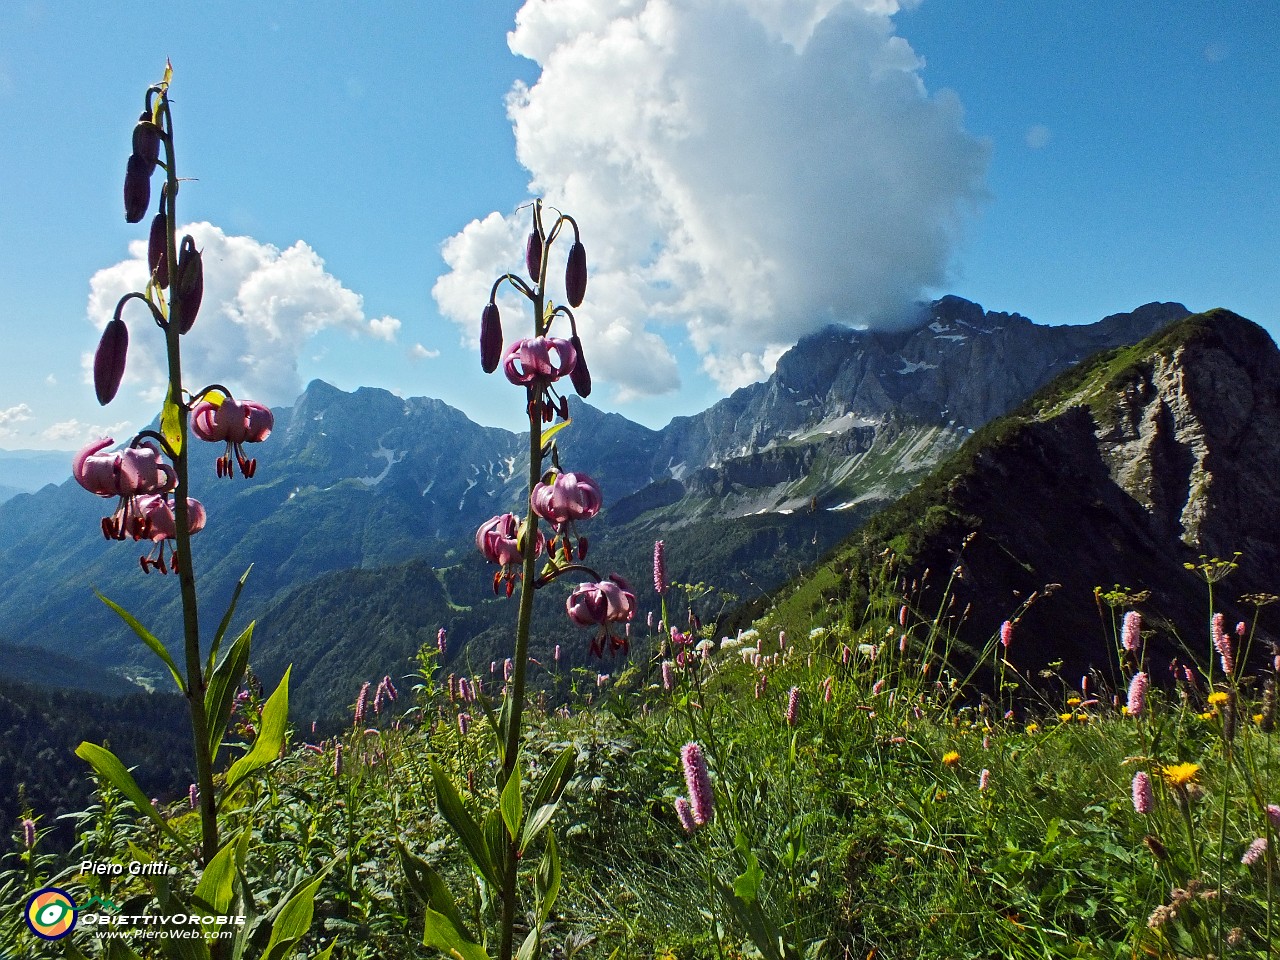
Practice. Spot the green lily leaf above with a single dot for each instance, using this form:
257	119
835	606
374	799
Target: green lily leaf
108	766
147	637
266	749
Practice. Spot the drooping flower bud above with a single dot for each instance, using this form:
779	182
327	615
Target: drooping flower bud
189	282
146	141
137	189
580	376
490	338
533	256
108	362
575	274
157	262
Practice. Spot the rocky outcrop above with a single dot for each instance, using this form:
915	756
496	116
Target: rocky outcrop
1127	472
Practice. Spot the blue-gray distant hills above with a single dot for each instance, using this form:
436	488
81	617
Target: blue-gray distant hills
361	518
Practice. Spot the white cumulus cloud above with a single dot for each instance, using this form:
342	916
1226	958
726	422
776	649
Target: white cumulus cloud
76	433
11	417
419	352
260	308
744	172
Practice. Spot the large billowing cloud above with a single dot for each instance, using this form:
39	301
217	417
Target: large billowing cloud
744	171
261	305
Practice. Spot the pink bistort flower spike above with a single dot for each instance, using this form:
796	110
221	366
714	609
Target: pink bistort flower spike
685	814
984	780
1006	634
698	782
28	832
1131	632
659	566
1143	798
1255	852
793	707
1137	694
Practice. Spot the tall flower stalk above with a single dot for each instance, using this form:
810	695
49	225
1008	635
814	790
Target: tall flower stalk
155	505
538	363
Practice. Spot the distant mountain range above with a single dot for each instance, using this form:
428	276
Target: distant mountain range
360	520
1128	471
25	471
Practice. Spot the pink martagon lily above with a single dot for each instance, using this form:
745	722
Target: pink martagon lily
235	423
499	540
568	497
603	603
155	521
529	361
126	473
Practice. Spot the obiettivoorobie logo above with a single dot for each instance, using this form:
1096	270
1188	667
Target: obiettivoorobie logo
51	913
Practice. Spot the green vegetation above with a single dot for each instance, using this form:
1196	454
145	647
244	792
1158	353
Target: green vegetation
887	813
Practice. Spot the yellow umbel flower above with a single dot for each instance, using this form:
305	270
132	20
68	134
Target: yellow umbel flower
1218	697
951	758
1180	774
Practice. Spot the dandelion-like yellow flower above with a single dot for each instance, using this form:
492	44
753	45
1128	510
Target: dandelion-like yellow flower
1065	717
1124	710
1207	715
1180	774
1073	702
1257	718
1033	727
1218	697
1083	718
951	758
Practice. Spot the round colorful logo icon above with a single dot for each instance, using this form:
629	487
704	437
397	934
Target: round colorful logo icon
51	913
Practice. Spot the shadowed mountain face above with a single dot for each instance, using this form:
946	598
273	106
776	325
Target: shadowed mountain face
1125	471
751	491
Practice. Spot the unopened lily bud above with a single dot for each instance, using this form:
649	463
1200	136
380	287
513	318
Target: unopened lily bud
189	282
575	275
157	262
146	141
580	376
137	189
108	362
490	338
533	256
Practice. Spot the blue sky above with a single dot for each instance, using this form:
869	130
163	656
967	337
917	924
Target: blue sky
744	171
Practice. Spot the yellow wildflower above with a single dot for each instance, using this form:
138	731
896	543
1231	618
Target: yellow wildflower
1218	697
951	758
1073	702
1257	718
1032	727
1083	718
1207	715
1180	774
1064	717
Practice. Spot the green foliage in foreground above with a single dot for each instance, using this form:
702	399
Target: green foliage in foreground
868	825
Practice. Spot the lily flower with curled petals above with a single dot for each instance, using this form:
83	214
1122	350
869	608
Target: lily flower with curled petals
236	423
155	521
528	363
499	540
610	601
127	474
567	498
